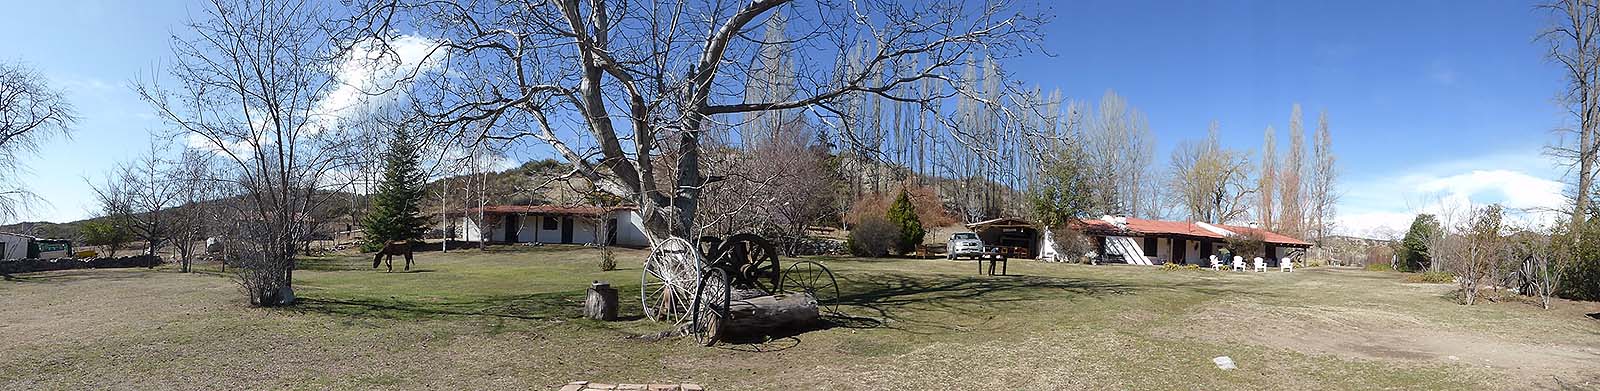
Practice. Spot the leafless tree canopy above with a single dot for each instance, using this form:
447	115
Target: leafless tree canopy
1574	39
624	91
1211	183
30	113
249	75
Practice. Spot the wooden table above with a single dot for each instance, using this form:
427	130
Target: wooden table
993	256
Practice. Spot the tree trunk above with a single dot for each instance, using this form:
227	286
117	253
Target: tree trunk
601	303
769	315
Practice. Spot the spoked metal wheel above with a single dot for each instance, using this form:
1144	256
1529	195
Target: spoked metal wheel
814	279
668	282
750	260
711	302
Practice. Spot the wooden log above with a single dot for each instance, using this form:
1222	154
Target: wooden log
601	303
769	315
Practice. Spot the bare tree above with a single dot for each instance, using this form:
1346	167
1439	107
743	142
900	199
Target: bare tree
511	68
30	113
1572	36
193	177
1120	145
1211	183
1543	261
1291	199
1269	177
1479	252
250	76
139	193
1323	192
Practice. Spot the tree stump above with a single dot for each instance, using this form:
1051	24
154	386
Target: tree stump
602	302
770	315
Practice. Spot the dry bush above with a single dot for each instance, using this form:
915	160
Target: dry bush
873	237
930	210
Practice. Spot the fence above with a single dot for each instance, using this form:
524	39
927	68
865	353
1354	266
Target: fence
13	266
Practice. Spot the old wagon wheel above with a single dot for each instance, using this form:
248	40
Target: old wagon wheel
711	301
666	287
750	261
814	279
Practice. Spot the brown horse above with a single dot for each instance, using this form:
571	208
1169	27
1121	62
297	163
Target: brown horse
392	249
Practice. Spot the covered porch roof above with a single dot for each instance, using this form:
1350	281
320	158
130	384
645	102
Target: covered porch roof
1185	229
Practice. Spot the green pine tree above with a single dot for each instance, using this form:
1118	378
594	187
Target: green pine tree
397	207
904	216
1414	254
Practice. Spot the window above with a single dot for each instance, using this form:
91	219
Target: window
965	236
1149	246
550	223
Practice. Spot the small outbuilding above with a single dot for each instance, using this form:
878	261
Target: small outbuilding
19	246
1020	236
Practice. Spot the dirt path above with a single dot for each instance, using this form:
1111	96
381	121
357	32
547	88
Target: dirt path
1376	333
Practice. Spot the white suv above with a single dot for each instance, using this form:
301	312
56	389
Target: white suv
964	244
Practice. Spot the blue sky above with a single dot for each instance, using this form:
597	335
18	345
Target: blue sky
1427	100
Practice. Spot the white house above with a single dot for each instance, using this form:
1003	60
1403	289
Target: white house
548	224
1156	242
17	246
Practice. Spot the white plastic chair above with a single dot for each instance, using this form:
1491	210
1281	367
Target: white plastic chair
1286	264
1261	265
1238	263
1215	265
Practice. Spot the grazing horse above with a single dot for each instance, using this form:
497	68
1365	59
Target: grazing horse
392	249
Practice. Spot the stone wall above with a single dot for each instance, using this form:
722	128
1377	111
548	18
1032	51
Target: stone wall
13	266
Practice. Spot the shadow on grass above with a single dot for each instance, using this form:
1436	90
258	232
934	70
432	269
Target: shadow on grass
889	297
775	344
60	276
527	307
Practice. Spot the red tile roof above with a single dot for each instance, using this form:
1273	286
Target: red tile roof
1184	228
1268	236
546	209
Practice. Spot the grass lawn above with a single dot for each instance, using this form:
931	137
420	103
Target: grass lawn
509	319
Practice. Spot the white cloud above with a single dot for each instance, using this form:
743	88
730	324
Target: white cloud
1525	182
370	78
203	143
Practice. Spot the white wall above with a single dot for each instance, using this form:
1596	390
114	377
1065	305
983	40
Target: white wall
630	229
16	247
1131	249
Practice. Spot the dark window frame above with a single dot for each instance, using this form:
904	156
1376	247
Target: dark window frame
1150	246
551	223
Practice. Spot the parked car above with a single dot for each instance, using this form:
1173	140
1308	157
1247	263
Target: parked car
964	244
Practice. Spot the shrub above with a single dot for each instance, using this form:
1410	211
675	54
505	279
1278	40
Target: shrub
1167	267
1379	267
1225	267
873	237
1431	278
1191	267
